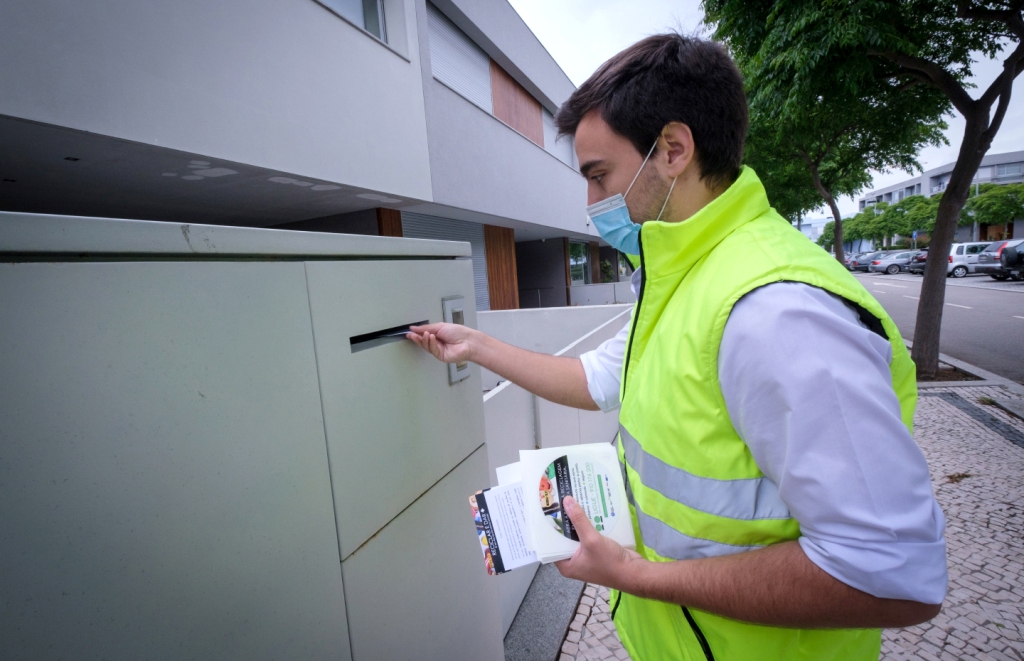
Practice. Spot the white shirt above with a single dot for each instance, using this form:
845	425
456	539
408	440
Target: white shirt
808	389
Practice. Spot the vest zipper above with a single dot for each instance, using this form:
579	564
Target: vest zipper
699	634
636	310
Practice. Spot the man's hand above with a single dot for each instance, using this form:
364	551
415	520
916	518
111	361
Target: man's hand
598	559
556	378
449	343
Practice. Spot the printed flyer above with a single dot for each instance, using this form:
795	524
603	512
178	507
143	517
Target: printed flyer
522	520
500	527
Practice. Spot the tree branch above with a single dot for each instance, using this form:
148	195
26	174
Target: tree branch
934	75
1011	69
1011	18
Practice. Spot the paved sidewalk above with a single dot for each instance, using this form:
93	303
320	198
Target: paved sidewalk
592	635
975	452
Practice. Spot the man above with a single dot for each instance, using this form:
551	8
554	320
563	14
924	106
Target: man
781	507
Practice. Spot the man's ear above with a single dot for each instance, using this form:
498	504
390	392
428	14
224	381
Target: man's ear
677	151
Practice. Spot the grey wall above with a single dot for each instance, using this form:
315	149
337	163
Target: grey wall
261	82
540	266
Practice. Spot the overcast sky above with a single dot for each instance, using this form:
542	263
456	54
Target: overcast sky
582	34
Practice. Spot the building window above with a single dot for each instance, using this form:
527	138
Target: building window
458	62
579	263
367	14
1008	170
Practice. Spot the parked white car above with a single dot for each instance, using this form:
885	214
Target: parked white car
963	258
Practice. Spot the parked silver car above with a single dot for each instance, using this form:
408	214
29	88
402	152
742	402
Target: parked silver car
990	260
963	258
891	262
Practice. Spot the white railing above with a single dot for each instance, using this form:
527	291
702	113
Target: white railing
516	420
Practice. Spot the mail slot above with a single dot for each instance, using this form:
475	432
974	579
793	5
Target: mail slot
218	445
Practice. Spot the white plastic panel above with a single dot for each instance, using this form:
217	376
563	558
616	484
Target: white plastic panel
394	424
419	590
458	62
164	488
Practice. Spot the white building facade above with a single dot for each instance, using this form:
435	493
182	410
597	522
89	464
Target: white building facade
1007	168
391	117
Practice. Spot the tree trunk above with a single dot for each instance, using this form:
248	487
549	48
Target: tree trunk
933	289
826	194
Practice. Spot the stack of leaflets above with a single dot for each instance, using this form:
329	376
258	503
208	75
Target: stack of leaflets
521	520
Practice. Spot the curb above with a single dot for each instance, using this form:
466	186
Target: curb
988	378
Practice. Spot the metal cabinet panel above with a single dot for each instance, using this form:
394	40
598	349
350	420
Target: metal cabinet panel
164	490
394	424
425	571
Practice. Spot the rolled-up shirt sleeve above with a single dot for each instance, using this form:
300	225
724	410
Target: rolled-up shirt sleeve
808	388
603	366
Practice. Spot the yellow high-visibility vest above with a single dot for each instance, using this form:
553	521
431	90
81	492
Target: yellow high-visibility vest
695	490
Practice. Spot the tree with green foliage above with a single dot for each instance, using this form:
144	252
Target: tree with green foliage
828	235
837	130
994	205
788	183
807	45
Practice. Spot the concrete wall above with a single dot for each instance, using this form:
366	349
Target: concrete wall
545	330
606	293
257	82
516	420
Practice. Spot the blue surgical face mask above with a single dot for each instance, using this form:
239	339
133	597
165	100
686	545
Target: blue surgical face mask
611	216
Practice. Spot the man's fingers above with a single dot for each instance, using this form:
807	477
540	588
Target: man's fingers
584	528
426	328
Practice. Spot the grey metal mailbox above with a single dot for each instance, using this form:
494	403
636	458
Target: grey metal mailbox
212	447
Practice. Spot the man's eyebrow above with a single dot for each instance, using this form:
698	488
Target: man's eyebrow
588	166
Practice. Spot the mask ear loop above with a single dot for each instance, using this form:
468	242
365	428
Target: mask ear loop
666	198
641	169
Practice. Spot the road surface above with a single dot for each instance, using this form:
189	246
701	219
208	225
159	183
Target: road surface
982	321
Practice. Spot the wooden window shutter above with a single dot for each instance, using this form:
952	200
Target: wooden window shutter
389	222
502	279
512	104
595	262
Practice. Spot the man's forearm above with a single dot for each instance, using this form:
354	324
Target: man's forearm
777	586
555	378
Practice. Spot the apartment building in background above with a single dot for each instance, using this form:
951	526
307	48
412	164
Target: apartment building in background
1007	168
388	117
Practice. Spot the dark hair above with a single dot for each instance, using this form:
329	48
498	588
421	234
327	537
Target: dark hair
669	78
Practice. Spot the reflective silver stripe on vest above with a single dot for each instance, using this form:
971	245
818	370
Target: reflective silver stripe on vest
668	542
745	499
